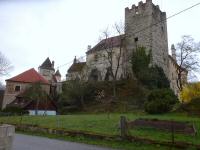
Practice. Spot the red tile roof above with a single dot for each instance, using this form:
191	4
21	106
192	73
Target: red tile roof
29	76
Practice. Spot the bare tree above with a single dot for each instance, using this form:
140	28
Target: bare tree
5	65
113	54
187	58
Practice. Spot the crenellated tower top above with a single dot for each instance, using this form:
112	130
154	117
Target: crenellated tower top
142	8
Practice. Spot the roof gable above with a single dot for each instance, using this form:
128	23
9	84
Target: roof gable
29	76
58	73
107	43
76	67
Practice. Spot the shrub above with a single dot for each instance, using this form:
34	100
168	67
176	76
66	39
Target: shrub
68	109
76	93
14	111
160	101
192	107
152	77
190	91
133	92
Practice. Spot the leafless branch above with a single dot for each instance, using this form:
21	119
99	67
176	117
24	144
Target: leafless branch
187	58
5	66
113	56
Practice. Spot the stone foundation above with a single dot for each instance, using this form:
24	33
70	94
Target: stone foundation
6	136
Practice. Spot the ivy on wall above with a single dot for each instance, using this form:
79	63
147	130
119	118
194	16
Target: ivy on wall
150	76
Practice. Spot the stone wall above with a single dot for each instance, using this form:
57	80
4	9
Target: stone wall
6	136
99	60
47	74
173	76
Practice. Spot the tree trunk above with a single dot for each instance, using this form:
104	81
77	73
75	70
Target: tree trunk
114	89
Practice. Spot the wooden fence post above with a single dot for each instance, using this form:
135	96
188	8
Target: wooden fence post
172	131
123	127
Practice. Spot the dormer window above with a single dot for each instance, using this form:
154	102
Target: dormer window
17	88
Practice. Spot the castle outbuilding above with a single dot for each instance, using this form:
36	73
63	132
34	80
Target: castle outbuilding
20	83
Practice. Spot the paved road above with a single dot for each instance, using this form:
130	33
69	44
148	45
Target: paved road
26	142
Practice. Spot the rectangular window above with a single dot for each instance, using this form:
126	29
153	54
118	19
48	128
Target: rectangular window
17	88
10	88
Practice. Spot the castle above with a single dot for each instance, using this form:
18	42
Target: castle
145	26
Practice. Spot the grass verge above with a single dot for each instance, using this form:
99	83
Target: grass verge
122	145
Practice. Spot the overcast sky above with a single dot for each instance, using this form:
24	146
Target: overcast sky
32	30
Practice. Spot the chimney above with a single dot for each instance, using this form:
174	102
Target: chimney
173	50
75	60
89	47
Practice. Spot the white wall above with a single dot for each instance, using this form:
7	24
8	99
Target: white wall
43	112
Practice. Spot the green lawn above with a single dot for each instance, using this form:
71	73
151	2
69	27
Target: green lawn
101	123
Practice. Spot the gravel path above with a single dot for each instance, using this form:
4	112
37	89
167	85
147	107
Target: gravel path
27	142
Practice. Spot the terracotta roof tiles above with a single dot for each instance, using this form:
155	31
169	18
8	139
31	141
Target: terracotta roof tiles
29	76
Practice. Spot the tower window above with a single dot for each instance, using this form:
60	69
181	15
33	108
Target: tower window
162	29
17	88
136	39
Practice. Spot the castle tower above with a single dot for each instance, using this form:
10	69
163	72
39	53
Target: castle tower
47	69
145	25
